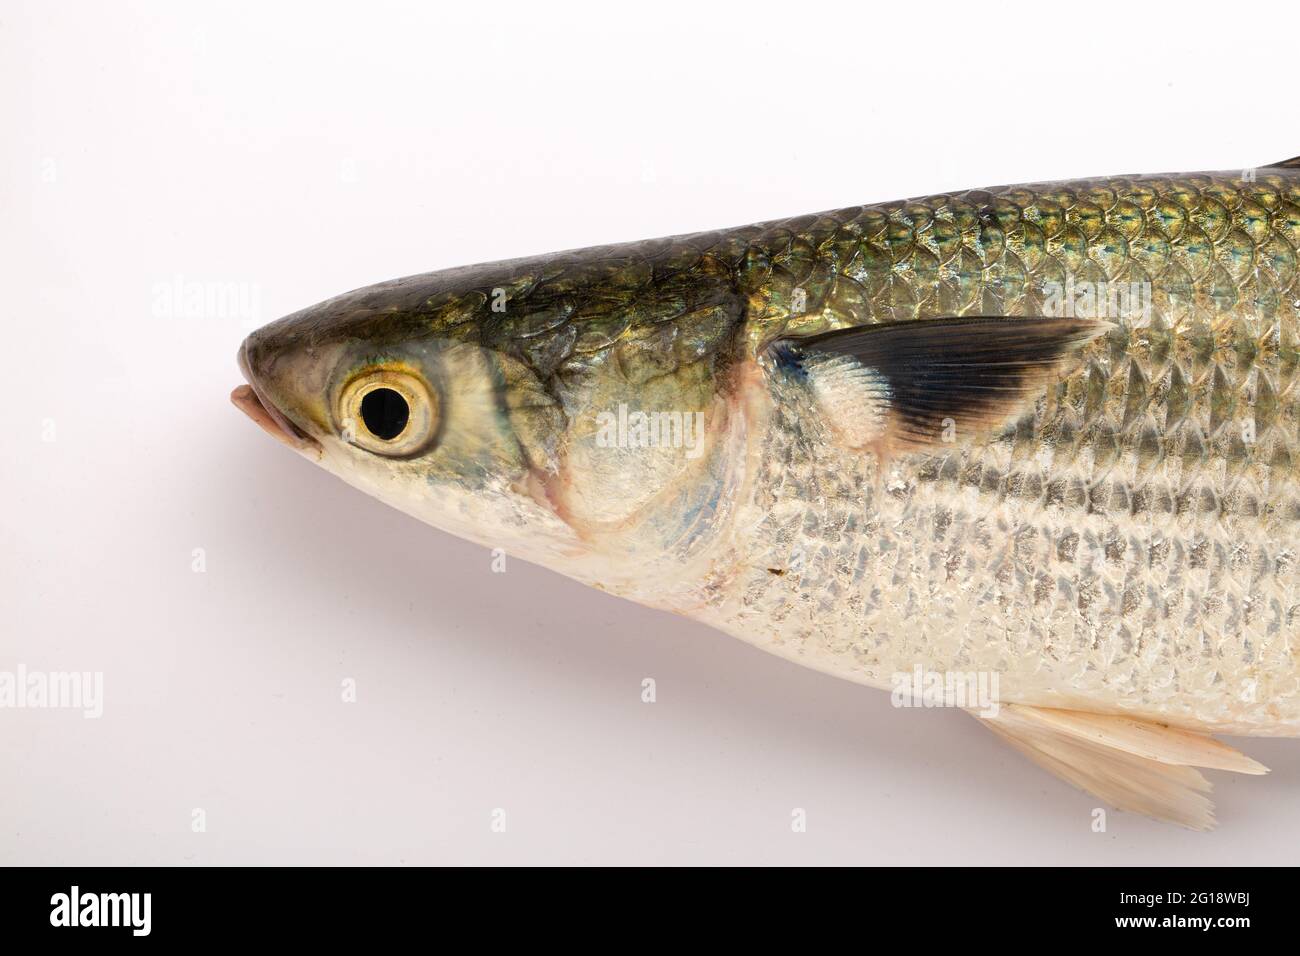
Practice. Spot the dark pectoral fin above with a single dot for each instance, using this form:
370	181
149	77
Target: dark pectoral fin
915	384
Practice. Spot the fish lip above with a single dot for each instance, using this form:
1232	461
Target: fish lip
250	400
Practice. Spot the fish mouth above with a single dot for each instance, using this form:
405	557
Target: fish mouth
253	403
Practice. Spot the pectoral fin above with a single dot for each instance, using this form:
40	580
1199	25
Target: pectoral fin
914	384
1135	765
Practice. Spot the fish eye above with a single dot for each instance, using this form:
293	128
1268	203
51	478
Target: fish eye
385	413
390	412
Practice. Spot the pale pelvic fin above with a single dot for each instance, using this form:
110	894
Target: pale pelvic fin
926	382
1136	765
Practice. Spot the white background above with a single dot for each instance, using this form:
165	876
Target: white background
303	150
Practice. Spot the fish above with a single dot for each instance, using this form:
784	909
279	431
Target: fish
1030	451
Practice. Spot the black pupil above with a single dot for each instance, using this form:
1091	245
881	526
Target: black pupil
385	413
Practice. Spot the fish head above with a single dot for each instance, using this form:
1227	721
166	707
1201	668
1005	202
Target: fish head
464	399
386	388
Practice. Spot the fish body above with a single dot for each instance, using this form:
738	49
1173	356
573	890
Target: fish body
1045	432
